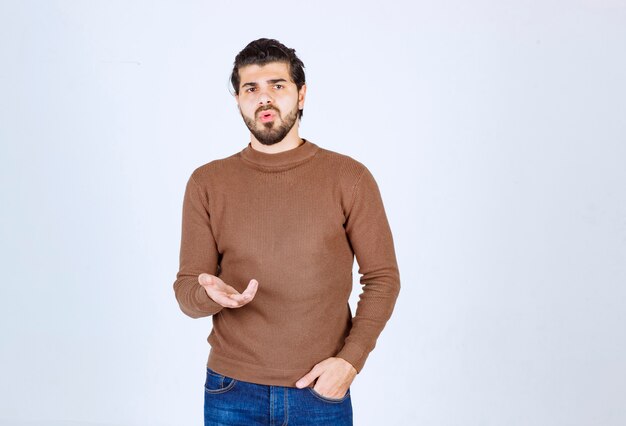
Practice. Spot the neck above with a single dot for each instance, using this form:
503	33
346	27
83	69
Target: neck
280	161
292	140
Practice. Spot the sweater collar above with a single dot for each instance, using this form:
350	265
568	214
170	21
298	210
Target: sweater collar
281	160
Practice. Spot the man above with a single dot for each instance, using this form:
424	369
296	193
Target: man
269	236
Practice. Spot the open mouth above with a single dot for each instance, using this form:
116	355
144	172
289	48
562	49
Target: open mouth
267	116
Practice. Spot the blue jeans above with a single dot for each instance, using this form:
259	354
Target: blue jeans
231	402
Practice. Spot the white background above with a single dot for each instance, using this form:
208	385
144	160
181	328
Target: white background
496	131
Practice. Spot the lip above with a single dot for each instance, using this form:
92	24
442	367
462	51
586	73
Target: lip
267	115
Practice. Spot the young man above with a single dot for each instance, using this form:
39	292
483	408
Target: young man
269	236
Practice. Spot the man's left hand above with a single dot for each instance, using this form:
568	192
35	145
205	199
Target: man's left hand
334	377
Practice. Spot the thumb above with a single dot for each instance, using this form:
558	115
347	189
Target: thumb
308	378
206	279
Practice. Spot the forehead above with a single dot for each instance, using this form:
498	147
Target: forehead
262	73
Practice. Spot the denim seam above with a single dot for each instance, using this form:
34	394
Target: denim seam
221	390
327	399
271	405
286	391
216	374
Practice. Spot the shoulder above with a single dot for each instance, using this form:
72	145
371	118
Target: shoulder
207	172
347	173
346	167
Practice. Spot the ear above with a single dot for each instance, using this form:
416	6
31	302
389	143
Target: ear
301	96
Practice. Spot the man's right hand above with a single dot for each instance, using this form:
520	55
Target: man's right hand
224	294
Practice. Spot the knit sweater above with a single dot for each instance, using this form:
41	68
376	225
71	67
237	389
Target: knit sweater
294	221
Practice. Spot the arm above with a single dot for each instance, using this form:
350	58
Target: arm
198	254
372	242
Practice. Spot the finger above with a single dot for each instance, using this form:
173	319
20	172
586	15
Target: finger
208	280
225	294
226	300
250	291
309	377
246	296
241	299
216	283
238	298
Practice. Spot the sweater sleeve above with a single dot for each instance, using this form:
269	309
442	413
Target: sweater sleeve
198	254
372	242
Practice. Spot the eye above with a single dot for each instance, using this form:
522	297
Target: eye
250	89
278	86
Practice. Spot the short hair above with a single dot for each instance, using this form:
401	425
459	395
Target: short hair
264	51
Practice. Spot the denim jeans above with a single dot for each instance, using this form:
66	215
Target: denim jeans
228	401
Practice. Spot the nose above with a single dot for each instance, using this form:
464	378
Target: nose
264	97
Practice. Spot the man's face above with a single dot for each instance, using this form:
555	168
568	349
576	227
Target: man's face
269	101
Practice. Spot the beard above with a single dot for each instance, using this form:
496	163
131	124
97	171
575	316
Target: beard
270	133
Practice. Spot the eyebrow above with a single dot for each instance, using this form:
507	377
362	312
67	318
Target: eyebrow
272	81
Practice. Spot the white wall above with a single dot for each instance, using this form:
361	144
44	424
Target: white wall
496	132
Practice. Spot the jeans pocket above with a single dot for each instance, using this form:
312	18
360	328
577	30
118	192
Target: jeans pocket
327	398
217	383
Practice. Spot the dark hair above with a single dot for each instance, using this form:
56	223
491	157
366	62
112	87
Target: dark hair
264	51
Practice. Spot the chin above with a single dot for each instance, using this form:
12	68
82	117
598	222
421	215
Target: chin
269	143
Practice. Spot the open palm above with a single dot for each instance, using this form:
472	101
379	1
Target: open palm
225	294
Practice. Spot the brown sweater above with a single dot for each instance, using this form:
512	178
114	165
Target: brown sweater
294	222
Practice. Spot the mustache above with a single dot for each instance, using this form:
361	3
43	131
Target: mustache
265	108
